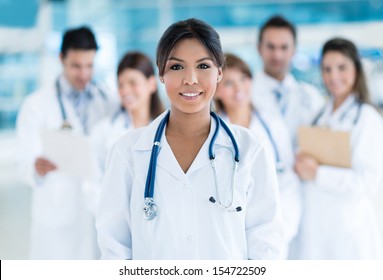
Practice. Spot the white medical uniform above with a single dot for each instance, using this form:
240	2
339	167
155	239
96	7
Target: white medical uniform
298	105
104	135
188	225
288	181
61	228
338	220
107	132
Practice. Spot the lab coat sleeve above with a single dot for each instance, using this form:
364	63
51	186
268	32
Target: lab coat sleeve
113	216
264	228
28	127
364	177
92	186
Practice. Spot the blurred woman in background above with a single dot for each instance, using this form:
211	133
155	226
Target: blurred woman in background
233	102
338	219
140	103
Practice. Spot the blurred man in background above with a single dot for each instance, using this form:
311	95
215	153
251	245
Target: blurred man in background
62	227
275	88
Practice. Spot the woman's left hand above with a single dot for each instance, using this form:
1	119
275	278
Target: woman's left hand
306	167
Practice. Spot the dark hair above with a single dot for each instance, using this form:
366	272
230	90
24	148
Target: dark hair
142	63
233	62
349	49
81	38
187	29
277	21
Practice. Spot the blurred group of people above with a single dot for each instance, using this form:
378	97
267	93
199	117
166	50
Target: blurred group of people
292	206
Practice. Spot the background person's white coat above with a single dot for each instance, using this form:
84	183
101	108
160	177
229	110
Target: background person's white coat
289	183
62	227
104	135
188	225
302	102
339	221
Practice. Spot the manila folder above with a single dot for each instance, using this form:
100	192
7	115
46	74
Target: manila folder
327	146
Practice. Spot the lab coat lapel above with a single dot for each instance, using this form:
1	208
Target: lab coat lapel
202	157
166	160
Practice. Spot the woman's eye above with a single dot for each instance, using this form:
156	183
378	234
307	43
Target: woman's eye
203	66
176	67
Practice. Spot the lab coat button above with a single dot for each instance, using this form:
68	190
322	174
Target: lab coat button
190	238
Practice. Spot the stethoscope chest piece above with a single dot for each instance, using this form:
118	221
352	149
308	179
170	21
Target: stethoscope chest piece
150	208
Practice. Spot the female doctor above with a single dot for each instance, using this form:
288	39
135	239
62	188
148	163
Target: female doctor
338	217
140	104
233	102
187	186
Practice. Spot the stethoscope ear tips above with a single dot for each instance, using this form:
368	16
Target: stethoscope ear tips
211	199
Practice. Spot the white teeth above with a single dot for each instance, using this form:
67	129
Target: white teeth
190	94
128	98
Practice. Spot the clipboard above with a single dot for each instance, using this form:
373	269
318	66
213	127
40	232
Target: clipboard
71	153
327	146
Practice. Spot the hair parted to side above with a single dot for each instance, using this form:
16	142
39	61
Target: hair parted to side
348	49
81	38
233	62
188	29
277	21
141	62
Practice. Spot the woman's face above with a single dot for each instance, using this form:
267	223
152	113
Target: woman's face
235	89
339	74
135	89
190	77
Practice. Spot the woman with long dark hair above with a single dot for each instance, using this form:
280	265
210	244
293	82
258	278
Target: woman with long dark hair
338	219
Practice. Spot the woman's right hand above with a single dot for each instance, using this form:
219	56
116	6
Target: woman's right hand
43	166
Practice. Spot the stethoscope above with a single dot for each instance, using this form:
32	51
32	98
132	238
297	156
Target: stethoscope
341	118
278	162
121	112
65	123
150	208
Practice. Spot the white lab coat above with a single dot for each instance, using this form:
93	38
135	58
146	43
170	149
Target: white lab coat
107	132
288	181
61	228
302	101
338	219
104	135
188	225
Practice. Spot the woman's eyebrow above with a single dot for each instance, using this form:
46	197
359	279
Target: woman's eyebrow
181	60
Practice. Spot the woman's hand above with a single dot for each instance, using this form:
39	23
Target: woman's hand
306	167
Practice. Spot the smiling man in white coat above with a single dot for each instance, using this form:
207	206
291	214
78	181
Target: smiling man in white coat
61	228
276	91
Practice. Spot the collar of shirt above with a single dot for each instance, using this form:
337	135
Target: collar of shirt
145	141
329	116
273	83
70	92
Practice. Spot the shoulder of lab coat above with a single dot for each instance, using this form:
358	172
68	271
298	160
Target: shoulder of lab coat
312	98
114	223
365	175
263	218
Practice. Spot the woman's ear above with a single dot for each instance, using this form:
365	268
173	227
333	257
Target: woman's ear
152	84
220	74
